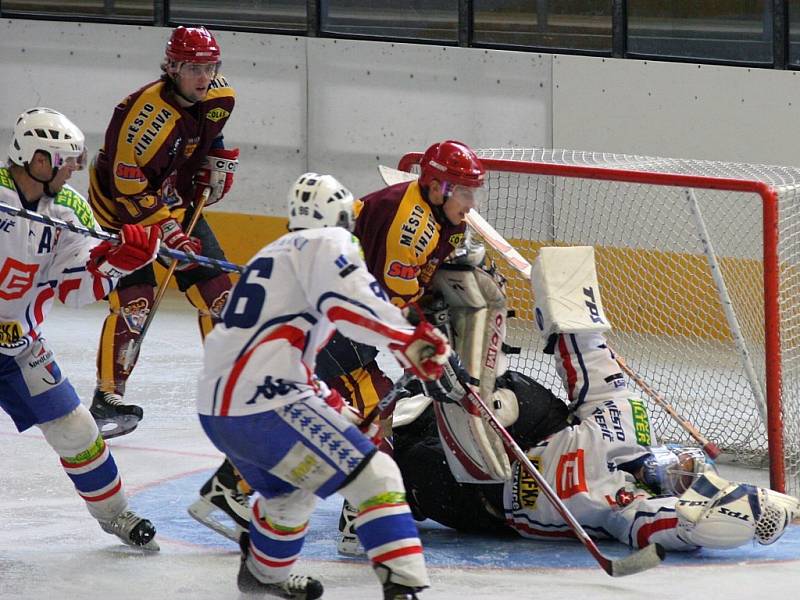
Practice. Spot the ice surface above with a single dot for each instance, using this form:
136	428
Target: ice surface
50	548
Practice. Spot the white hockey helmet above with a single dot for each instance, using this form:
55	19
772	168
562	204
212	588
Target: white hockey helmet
49	131
319	201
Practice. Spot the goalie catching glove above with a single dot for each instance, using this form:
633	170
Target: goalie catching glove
217	173
137	247
425	353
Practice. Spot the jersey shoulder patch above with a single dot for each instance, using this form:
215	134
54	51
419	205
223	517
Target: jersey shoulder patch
72	200
5	179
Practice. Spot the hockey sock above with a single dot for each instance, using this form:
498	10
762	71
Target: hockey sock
274	546
209	297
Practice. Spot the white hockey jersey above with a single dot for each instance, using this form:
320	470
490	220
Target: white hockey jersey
39	262
294	293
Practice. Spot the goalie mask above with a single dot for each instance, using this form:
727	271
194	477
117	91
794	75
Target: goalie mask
671	470
319	201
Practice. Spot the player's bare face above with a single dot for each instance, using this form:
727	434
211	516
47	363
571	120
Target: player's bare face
460	201
193	80
65	171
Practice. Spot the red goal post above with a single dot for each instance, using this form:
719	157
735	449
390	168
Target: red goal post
699	268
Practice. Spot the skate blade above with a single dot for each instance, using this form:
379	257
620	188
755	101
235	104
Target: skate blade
204	511
121	425
350	546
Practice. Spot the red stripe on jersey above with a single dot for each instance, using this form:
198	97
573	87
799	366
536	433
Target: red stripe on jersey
338	313
540	532
572	374
38	304
67	286
387	556
645	531
296	337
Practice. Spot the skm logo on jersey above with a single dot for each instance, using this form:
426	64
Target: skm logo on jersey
16	278
571	474
524	489
217	114
400	270
11	334
269	389
130	172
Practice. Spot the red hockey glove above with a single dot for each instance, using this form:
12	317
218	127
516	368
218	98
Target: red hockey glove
217	173
425	353
337	403
137	247
172	236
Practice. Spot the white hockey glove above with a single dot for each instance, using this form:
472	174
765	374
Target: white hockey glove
425	354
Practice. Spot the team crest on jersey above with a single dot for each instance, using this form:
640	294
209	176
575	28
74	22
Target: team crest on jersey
218	304
217	114
11	334
456	239
191	146
624	497
135	314
525	490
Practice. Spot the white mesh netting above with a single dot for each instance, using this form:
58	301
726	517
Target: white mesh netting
657	286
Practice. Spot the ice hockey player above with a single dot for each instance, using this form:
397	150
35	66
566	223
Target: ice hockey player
39	263
292	438
163	147
599	454
406	230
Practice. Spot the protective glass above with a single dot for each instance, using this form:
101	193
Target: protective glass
467	197
189	69
76	162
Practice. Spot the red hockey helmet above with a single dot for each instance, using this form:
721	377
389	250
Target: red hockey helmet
192	44
451	162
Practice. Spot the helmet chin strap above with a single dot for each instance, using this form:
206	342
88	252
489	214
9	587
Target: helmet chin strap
44	182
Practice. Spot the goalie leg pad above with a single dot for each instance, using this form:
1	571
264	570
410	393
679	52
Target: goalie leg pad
566	292
719	514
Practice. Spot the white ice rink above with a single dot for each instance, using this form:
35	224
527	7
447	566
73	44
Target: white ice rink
50	548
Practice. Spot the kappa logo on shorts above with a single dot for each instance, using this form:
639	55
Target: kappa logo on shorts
571	474
269	389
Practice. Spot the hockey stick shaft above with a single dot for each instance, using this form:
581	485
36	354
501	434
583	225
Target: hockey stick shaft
645	558
206	261
131	352
388	401
521	264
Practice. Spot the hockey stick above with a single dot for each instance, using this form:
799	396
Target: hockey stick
642	559
206	261
520	263
131	351
389	400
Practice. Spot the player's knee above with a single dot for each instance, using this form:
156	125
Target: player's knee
289	510
72	434
380	475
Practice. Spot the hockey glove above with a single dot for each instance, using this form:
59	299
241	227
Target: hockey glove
336	402
137	247
217	173
425	353
172	236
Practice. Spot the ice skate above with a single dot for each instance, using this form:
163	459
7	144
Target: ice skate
221	493
393	591
113	417
132	529
348	543
300	587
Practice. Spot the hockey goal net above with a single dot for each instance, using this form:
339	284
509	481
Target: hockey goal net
698	268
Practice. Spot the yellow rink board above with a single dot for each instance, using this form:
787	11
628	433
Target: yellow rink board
643	291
